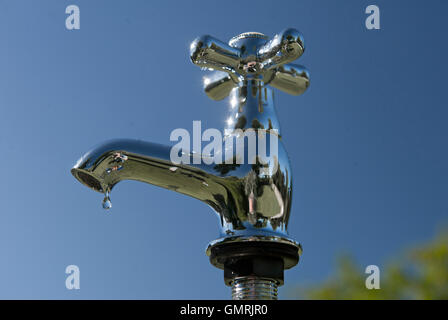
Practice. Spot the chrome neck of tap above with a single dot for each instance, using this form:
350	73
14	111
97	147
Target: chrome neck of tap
252	106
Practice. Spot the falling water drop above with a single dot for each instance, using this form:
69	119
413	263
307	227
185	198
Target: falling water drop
107	204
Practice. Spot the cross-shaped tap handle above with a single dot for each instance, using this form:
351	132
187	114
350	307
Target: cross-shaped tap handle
251	55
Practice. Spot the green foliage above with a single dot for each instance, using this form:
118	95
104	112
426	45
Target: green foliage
421	273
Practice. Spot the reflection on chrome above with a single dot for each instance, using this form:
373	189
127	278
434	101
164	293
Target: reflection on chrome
253	204
248	203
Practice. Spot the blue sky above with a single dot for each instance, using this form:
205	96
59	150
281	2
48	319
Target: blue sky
367	142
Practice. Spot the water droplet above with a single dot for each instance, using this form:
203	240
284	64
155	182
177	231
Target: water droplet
107	204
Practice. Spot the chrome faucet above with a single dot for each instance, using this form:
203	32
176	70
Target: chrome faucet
252	200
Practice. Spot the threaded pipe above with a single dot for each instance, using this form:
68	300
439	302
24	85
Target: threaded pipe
253	288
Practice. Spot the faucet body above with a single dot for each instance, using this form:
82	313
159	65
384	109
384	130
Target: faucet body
251	198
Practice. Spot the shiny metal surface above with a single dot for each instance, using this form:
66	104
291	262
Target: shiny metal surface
253	201
251	56
253	288
249	204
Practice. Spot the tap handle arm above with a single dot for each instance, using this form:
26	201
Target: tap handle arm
290	78
284	47
248	56
211	53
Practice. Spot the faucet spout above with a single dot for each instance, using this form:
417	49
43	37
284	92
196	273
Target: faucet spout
125	159
249	202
